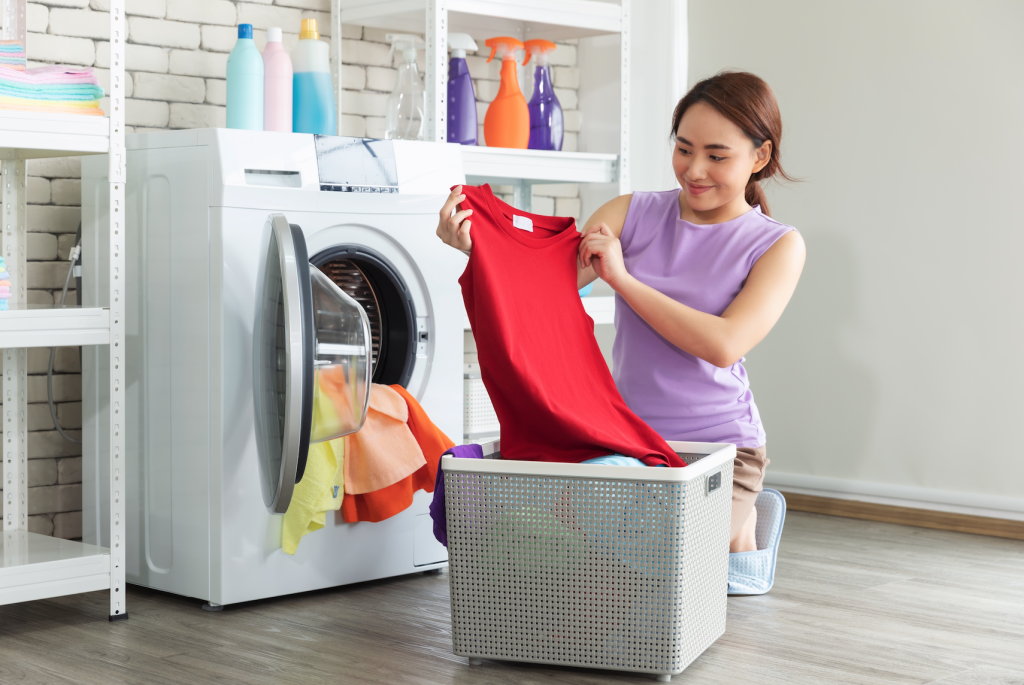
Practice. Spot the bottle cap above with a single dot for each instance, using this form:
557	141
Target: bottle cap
308	30
504	46
245	31
539	47
274	34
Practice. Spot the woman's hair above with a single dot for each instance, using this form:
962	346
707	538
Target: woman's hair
747	101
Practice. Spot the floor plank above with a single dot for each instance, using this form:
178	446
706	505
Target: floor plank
855	601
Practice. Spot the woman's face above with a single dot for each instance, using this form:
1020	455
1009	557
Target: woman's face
714	159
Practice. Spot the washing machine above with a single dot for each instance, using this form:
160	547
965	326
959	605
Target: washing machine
205	211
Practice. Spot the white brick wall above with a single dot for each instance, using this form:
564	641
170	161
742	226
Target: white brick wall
176	59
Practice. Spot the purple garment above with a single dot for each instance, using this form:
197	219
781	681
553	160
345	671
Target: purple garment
437	511
704	267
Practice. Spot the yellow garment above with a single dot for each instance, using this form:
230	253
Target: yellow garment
323	482
321	490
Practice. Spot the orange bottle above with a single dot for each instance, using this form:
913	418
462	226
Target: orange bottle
507	122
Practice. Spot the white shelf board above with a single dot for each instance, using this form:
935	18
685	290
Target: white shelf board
37	566
600	309
523	19
30	135
505	165
40	326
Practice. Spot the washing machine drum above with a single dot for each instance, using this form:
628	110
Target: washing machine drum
312	360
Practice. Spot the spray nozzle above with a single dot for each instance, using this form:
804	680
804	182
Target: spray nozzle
540	48
407	43
505	47
460	42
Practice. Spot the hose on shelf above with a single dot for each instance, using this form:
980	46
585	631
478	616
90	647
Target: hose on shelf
53	350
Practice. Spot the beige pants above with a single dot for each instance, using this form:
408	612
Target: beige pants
747	480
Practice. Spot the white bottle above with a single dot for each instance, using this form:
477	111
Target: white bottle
407	104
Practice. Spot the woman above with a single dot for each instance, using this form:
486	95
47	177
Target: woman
702	274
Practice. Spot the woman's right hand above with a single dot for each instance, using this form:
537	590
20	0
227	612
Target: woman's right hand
453	227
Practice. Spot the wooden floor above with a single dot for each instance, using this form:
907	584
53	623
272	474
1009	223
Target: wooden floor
854	602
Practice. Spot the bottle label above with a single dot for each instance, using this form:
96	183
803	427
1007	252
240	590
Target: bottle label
523	223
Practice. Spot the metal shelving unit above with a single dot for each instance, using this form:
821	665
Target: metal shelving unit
523	19
37	566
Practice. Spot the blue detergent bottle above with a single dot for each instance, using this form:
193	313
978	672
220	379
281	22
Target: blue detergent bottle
313	106
245	83
547	127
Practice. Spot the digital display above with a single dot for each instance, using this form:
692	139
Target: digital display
356	165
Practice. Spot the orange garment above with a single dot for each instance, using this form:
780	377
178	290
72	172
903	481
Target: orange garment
384	451
332	383
385	503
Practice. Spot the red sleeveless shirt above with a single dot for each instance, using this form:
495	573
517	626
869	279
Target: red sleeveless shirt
550	386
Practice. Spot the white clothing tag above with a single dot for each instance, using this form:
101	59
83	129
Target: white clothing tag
522	222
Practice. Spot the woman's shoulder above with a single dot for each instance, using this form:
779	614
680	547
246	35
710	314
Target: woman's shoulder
767	223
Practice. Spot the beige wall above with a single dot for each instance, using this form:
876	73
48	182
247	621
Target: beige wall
898	367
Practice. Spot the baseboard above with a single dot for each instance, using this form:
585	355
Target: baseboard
913	497
910	516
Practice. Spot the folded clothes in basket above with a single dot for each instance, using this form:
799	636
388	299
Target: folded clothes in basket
437	505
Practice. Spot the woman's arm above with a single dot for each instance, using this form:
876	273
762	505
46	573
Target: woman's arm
611	215
719	340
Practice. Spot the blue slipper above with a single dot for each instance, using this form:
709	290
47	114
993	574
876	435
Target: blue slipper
753	573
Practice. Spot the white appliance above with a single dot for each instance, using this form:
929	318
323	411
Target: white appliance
202	506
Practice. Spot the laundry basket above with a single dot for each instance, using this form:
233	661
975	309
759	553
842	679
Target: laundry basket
595	566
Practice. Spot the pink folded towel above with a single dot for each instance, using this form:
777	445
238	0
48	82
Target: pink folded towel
52	75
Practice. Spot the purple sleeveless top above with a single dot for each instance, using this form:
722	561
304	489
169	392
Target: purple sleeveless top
704	267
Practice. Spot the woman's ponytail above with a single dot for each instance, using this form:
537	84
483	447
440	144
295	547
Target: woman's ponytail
747	101
754	195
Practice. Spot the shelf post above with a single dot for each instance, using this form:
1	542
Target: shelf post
15	21
624	122
15	361
336	56
522	195
116	175
437	71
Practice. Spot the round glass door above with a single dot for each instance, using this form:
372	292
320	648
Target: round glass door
282	361
343	363
311	363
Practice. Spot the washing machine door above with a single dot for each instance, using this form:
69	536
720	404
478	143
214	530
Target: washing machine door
311	364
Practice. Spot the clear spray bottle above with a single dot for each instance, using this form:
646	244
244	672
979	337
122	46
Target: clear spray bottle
407	104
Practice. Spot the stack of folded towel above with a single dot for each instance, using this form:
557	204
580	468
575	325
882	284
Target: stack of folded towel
5	286
12	54
67	90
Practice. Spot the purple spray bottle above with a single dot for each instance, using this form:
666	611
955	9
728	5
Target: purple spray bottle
547	128
462	122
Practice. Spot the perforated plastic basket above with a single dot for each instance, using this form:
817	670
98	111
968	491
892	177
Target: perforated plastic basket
611	567
478	417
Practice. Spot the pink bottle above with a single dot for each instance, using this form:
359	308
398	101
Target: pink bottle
277	85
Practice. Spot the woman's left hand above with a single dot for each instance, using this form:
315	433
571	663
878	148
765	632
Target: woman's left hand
603	250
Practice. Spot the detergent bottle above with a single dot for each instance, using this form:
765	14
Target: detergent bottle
313	105
406	106
245	83
462	123
547	127
277	84
507	122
